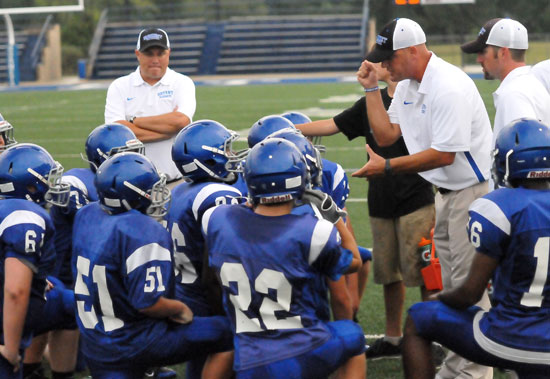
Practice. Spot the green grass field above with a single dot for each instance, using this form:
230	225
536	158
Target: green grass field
61	120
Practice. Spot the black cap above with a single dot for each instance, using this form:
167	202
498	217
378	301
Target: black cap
397	34
476	46
152	37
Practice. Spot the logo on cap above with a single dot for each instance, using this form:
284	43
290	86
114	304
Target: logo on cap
481	31
380	40
152	36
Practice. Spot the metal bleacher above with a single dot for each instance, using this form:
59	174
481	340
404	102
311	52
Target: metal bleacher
291	44
21	40
240	45
116	55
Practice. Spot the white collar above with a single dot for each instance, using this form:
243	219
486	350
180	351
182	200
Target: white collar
137	79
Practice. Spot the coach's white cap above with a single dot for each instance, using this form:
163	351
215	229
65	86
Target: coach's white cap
397	34
501	32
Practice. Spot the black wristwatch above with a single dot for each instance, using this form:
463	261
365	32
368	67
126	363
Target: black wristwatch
132	119
387	168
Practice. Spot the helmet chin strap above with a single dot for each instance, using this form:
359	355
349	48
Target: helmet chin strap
212	173
86	160
137	189
507	173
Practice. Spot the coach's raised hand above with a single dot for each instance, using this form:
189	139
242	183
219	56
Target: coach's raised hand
367	75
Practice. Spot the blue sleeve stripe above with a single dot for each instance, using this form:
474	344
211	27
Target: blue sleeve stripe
473	164
492	213
319	238
145	254
207	191
22	217
506	352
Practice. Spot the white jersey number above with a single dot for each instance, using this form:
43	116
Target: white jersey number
182	264
268	279
150	280
30	241
534	297
89	318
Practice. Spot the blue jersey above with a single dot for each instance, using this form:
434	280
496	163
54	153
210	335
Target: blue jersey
189	202
267	267
240	184
121	263
27	233
83	191
513	227
321	286
335	182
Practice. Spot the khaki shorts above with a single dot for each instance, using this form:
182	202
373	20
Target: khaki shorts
395	254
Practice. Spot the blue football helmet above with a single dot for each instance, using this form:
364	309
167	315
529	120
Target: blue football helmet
28	171
204	150
310	153
130	181
522	151
108	140
275	171
299	118
265	126
6	133
296	117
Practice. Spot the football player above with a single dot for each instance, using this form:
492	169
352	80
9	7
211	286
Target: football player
340	297
265	126
29	177
123	272
334	182
201	152
6	135
103	142
266	260
510	229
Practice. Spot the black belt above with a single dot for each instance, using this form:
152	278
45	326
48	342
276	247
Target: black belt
443	191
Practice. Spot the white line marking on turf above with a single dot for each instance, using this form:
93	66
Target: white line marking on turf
356	200
352	97
373	336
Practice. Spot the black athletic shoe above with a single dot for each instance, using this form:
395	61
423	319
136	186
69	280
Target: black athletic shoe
383	349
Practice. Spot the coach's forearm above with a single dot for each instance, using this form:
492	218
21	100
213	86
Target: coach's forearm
421	161
144	135
319	128
383	130
167	123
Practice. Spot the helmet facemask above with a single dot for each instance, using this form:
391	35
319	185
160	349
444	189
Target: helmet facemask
159	195
6	132
58	193
234	157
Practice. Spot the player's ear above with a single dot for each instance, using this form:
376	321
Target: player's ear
137	53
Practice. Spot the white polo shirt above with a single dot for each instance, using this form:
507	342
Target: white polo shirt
520	95
542	72
445	112
131	96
